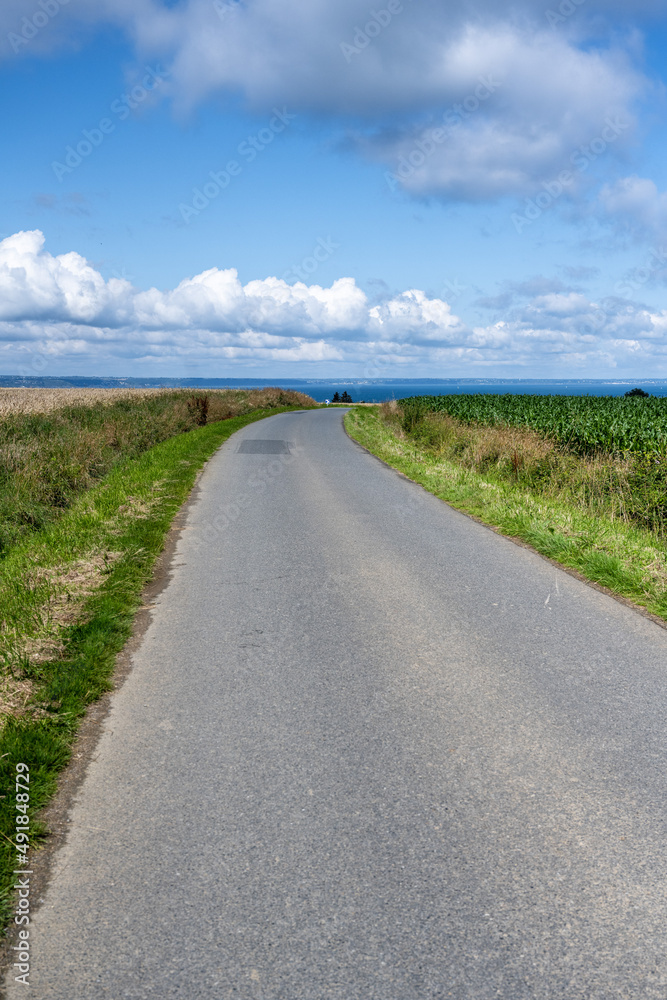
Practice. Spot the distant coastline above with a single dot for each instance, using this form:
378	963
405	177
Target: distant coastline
361	389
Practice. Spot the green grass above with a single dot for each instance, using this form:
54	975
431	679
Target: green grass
48	459
629	560
630	486
125	518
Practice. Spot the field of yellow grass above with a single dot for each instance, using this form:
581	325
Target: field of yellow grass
38	400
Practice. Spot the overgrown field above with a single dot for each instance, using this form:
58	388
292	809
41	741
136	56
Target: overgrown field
628	485
49	458
88	495
585	424
40	400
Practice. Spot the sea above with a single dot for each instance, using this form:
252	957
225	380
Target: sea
362	390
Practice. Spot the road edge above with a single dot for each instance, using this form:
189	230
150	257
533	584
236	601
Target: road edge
55	815
644	612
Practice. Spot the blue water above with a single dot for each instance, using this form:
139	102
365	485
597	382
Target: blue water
366	390
379	391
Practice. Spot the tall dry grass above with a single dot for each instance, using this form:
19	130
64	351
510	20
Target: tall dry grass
50	454
632	488
40	400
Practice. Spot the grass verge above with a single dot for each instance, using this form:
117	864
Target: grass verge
50	454
627	559
69	595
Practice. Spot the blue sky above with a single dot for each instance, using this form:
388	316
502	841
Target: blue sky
416	188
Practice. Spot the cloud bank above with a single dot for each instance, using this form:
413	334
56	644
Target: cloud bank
552	82
60	308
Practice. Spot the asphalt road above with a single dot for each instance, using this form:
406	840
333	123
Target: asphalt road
369	750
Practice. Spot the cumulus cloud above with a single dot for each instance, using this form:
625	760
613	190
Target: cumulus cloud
413	316
545	319
529	108
268	313
568	316
35	285
57	309
547	91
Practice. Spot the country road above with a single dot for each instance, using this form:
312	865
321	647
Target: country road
368	750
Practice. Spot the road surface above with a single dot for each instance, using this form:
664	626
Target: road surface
368	750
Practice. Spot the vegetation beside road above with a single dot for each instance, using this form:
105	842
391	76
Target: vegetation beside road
601	514
584	424
86	500
49	458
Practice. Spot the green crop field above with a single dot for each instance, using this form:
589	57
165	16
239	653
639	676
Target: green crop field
584	424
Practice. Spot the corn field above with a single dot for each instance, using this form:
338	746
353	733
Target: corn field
584	424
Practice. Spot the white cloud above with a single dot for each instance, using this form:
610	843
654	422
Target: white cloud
213	306
412	316
572	318
553	108
555	87
637	203
35	285
58	310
